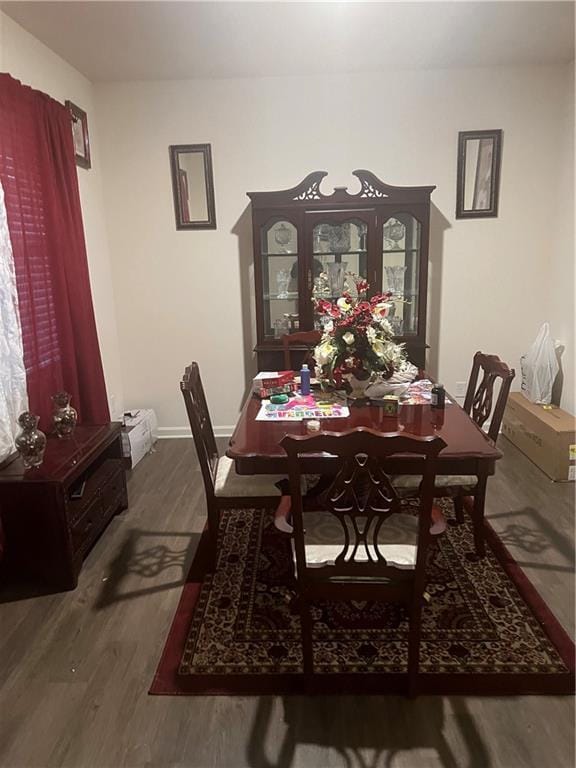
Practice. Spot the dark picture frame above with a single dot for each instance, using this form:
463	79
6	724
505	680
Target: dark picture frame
184	184
478	174
80	135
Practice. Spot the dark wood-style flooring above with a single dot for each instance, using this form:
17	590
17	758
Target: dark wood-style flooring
75	667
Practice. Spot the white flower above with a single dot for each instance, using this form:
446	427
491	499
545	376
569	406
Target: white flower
371	334
385	327
348	338
379	347
381	310
343	304
324	353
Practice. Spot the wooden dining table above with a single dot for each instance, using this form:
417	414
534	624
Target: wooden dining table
255	445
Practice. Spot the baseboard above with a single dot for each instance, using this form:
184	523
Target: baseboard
172	433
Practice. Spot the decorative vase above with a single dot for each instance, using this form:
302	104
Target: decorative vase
358	386
64	416
395	278
282	283
30	442
339	237
394	231
283	236
336	276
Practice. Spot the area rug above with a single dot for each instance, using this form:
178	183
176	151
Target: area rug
485	629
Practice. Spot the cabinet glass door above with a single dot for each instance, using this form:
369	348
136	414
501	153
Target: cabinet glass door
279	261
401	269
339	252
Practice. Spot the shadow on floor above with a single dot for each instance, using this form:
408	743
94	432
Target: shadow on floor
366	732
147	562
133	559
535	535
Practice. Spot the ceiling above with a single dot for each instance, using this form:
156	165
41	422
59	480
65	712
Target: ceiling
111	41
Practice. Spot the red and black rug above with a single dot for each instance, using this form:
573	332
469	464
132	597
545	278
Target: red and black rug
485	629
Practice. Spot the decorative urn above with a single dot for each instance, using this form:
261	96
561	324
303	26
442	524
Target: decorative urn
64	415
30	442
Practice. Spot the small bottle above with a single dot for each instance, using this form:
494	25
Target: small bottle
304	380
437	417
438	396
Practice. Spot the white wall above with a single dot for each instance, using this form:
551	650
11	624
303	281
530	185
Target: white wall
181	294
30	61
561	287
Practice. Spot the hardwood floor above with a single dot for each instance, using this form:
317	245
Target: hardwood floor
75	667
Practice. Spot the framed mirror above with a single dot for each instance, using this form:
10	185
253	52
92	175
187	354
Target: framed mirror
479	154
193	186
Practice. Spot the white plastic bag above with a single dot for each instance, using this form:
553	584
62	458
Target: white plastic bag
540	367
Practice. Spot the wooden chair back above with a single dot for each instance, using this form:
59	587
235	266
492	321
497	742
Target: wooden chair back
479	402
201	425
361	498
309	339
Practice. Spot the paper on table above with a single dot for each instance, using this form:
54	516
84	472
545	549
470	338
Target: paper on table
301	408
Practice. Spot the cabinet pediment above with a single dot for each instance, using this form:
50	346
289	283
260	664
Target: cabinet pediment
371	188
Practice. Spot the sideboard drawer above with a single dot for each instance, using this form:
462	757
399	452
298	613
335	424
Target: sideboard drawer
102	482
88	527
104	494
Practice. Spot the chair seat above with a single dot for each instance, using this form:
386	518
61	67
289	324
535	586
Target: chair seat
399	555
229	484
408	484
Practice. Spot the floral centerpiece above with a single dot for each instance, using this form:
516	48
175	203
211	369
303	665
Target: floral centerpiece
357	346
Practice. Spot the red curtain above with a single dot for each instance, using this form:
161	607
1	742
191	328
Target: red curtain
38	173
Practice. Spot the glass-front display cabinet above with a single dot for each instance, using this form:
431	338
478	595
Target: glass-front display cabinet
309	245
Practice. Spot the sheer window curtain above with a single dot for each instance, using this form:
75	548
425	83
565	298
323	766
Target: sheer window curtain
13	396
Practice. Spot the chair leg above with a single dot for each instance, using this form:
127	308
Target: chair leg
414	646
478	516
307	646
459	509
213	526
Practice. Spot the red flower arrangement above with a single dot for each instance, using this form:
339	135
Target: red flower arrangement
357	340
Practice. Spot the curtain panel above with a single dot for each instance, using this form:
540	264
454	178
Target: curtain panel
38	173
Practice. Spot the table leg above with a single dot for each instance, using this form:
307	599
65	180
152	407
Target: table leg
459	509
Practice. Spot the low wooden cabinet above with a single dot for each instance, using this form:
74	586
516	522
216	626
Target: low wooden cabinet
51	516
308	245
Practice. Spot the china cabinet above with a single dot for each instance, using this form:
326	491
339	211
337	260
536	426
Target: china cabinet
308	245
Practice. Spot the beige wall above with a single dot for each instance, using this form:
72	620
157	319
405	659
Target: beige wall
561	286
184	294
30	61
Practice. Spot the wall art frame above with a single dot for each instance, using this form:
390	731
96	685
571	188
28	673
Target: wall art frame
80	135
193	186
478	174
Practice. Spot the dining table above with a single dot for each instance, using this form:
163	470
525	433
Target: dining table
255	445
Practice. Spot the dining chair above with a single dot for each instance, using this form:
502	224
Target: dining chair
308	339
224	488
482	404
364	564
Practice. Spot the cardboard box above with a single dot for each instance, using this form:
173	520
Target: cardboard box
138	435
546	436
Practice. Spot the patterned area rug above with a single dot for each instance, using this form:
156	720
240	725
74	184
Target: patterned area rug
485	629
